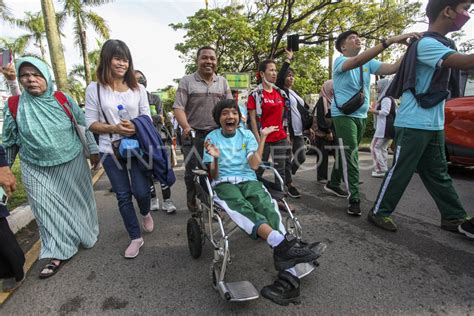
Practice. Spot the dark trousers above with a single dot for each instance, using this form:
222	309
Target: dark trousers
281	153
127	179
193	150
12	258
299	153
322	157
422	151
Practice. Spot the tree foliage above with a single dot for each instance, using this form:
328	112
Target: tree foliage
245	35
83	17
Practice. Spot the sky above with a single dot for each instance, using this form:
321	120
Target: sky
144	26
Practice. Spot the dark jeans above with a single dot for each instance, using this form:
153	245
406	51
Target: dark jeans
281	153
125	182
193	151
11	255
299	153
322	157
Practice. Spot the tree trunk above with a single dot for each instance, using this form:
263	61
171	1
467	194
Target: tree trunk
330	54
54	42
85	55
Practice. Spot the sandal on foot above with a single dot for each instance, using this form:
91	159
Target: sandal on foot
52	269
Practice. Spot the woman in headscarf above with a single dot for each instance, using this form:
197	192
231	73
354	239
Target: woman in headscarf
54	169
384	115
323	130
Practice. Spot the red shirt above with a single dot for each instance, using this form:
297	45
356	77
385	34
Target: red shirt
272	113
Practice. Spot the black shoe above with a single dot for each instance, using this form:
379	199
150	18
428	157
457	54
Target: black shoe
293	192
289	253
467	228
354	208
285	289
337	191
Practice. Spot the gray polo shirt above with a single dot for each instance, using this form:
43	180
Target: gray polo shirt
197	99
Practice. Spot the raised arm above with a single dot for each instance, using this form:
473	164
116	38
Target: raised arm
256	158
371	53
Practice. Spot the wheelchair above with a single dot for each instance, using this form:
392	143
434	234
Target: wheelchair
220	228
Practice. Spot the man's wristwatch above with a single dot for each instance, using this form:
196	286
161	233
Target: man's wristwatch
384	43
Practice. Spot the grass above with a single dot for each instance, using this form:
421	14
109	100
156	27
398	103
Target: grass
19	197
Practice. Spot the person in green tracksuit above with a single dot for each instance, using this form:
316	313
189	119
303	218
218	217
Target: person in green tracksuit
427	70
350	127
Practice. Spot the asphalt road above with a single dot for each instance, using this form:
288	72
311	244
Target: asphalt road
420	269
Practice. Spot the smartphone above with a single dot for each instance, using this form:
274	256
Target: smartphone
292	42
3	197
6	57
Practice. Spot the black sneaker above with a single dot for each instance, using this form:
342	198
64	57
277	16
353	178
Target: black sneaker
453	224
293	192
289	253
467	228
354	208
335	190
285	289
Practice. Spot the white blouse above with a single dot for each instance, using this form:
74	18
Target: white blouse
134	101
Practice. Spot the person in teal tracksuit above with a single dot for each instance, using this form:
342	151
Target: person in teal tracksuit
426	72
350	127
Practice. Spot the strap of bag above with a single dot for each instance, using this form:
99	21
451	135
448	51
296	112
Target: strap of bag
100	106
14	101
361	79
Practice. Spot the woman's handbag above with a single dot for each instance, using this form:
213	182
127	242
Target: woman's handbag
357	99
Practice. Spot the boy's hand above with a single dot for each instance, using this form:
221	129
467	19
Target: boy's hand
289	54
268	130
212	149
404	38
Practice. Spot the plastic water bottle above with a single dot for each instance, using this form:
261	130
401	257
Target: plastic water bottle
123	114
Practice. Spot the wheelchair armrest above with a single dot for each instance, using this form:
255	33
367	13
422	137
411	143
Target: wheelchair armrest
199	172
265	165
279	183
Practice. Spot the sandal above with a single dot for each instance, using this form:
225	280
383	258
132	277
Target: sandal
52	269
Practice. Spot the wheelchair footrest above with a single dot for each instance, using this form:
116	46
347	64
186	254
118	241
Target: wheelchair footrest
303	269
238	291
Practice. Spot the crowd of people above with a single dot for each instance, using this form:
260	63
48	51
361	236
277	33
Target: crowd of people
54	138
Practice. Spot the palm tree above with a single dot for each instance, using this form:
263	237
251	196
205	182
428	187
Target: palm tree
77	10
34	23
4	11
54	42
17	45
78	71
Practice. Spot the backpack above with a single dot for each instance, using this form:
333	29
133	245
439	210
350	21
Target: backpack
389	119
323	121
14	101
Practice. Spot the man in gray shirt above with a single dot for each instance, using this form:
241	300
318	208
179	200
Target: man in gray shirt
196	96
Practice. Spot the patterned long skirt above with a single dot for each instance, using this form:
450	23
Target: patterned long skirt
63	203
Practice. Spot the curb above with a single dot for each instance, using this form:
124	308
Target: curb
21	216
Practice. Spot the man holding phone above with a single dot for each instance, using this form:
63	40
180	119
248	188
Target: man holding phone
196	96
11	255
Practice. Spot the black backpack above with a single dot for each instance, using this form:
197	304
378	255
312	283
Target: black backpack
323	121
389	119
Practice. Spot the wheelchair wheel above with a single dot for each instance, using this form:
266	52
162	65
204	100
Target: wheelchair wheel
194	238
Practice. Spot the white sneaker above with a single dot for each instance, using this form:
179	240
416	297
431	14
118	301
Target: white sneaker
155	204
378	174
168	206
134	248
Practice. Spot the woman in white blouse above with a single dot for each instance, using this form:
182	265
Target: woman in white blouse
116	85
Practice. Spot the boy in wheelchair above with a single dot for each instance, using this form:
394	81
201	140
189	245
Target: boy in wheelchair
232	155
